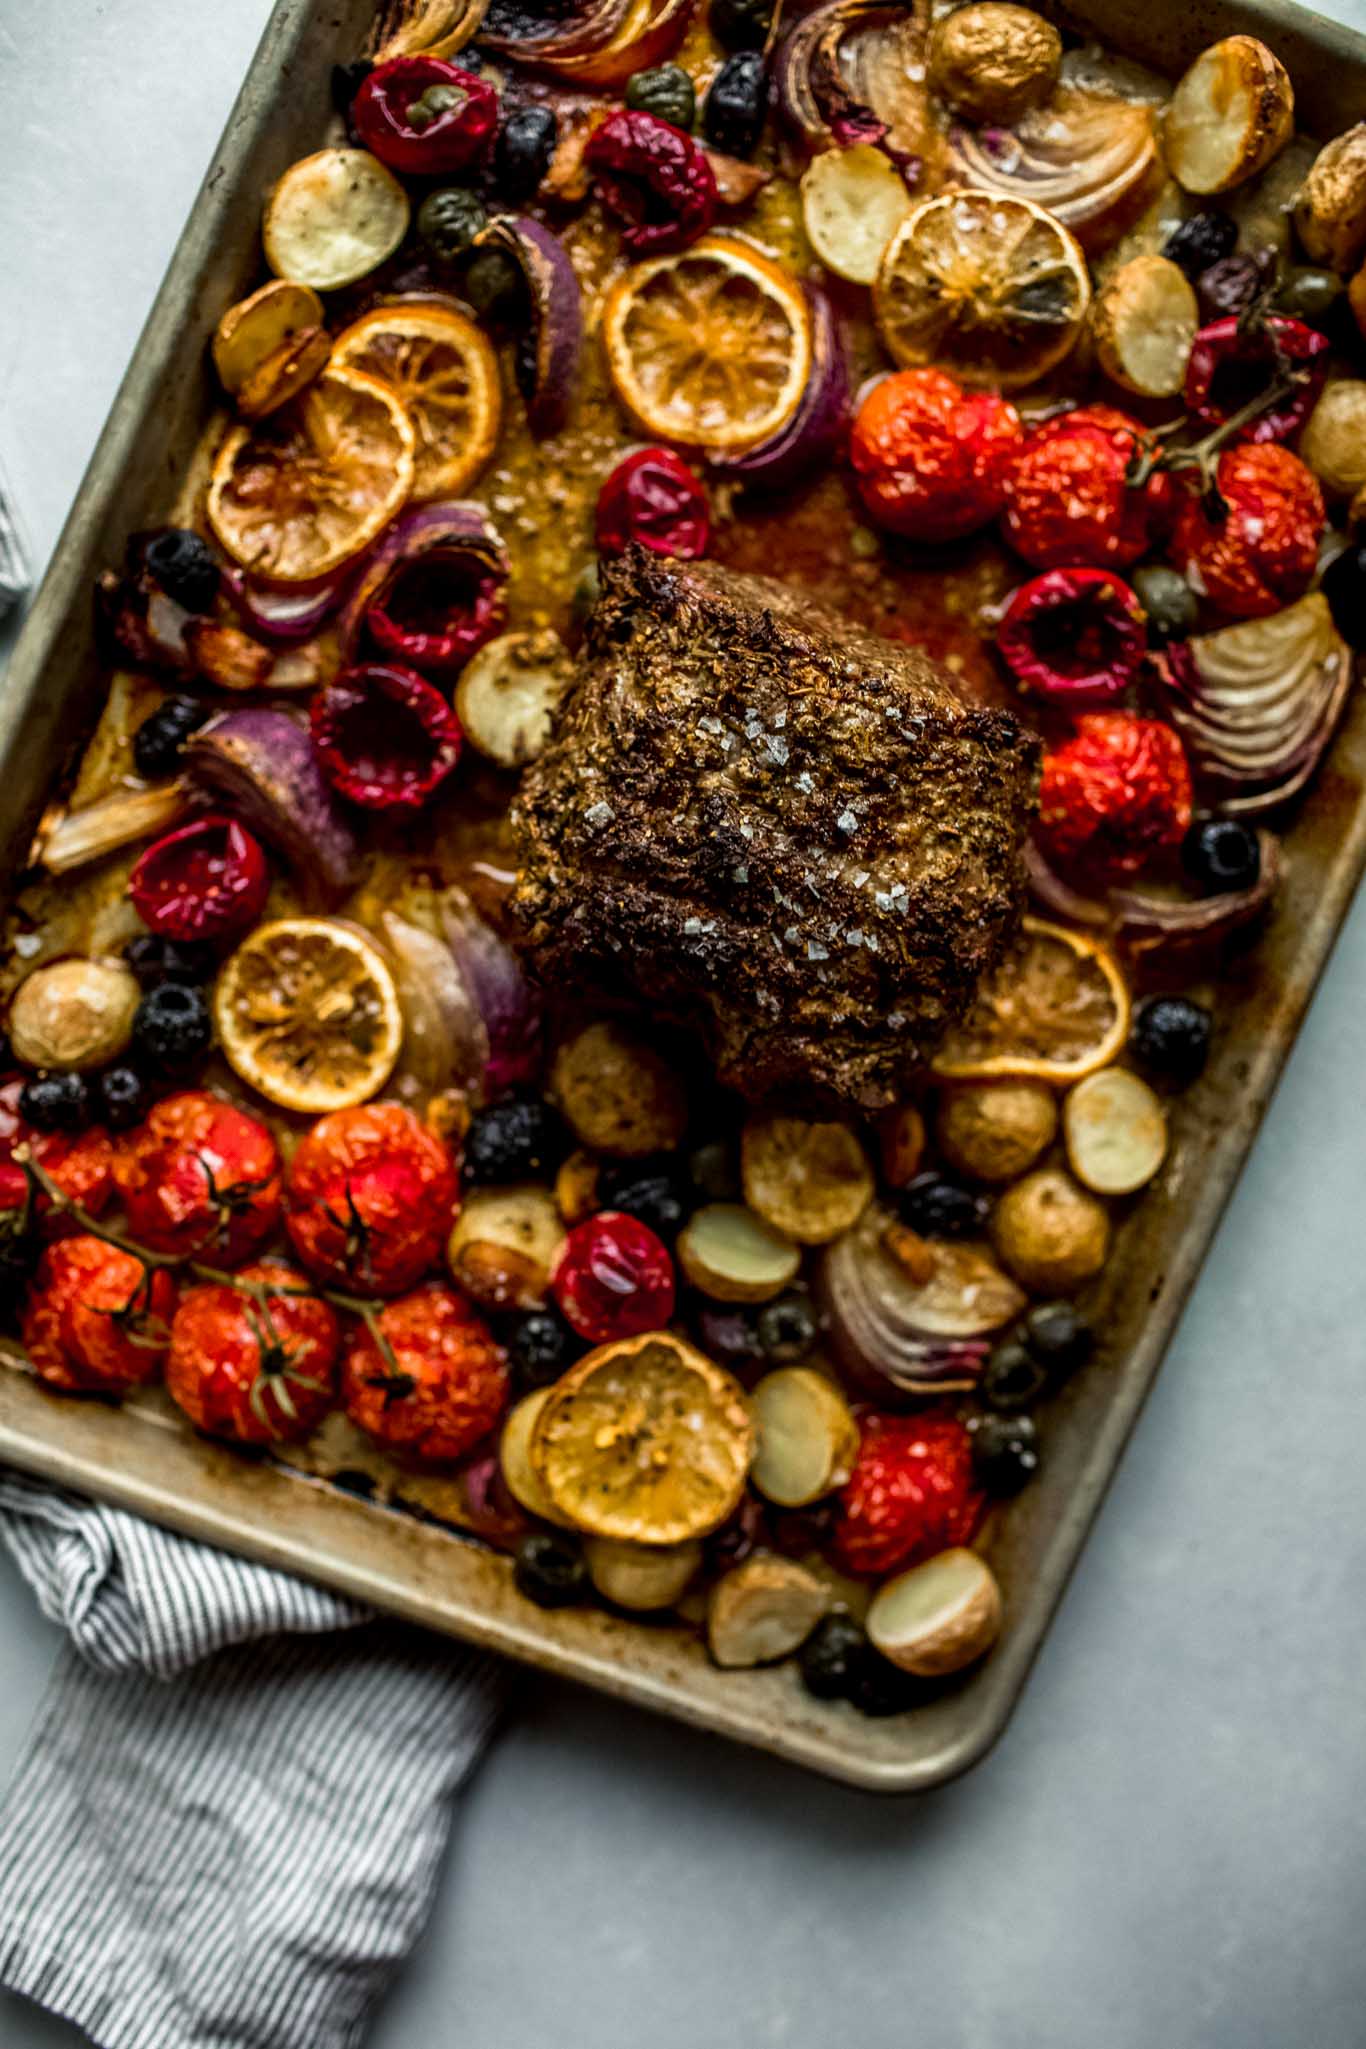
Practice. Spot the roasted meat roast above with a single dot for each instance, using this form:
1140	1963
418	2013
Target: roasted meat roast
781	829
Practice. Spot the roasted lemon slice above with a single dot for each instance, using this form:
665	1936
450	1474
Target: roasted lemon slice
646	1441
294	496
710	348
993	289
308	1015
446	373
1055	1009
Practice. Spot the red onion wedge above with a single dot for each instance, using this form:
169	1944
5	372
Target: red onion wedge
506	1002
598	46
283	614
432	591
547	358
854	71
260	762
813	433
445	1045
423	28
546	39
1257	703
887	1331
1143	922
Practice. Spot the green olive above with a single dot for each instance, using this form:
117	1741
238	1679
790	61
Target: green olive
1308	294
448	221
1168	600
491	279
666	91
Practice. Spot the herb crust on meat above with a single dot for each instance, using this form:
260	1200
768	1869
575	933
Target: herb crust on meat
787	831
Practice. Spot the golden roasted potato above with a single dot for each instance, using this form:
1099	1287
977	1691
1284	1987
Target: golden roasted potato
1330	209
1334	439
1229	116
996	1130
1143	324
1050	1233
993	62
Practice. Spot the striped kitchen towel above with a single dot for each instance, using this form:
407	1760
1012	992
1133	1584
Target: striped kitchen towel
226	1830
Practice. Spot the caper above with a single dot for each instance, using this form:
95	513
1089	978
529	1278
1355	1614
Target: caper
1168	600
448	221
1309	294
431	105
665	91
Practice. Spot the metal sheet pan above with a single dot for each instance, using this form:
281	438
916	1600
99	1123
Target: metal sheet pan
142	1457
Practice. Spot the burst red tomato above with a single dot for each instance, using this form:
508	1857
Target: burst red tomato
200	1177
1254	546
82	1165
613	1279
258	1370
1115	794
911	1493
445	1386
931	459
1068	501
97	1321
371	1196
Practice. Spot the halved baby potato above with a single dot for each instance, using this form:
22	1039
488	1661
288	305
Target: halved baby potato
520	1477
1143	323
642	1577
1330	208
505	1244
333	218
1230	115
807	1437
939	1616
732	1255
256	328
286	372
1115	1131
853	202
509	693
763	1610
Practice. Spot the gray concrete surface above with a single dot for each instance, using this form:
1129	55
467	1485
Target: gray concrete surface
1167	1848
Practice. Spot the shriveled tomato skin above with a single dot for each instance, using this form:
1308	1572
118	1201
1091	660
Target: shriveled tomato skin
202	1177
931	459
203	881
97	1320
447	1387
654	498
256	1372
1263	552
910	1495
1068	501
654	178
1116	794
371	1196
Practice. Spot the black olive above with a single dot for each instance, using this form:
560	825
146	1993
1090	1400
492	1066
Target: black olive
1171	605
1058	1335
55	1102
172	1030
519	1139
346	82
941	1209
1309	294
1171	1038
550	1570
154	959
1220	855
787	1328
159	739
123	1098
1013	1376
492	281
522	153
734	109
741	24
1343	583
181	563
731	1337
1202	240
832	1657
1232	285
448	221
666	91
878	1687
1005	1453
653	1191
20	1246
539	1347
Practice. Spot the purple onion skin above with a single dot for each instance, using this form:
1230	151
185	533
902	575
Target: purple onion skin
261	763
813	433
505	999
556	312
422	530
299	619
